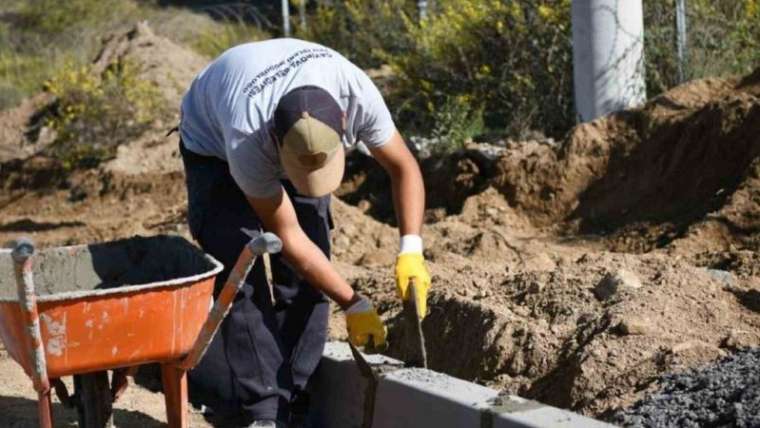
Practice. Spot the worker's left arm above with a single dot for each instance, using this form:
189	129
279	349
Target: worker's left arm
409	202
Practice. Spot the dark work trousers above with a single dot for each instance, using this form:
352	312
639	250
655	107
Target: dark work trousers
266	348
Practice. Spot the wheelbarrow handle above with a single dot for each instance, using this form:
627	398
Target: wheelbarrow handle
22	255
260	244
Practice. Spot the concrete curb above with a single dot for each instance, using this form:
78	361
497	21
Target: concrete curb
408	397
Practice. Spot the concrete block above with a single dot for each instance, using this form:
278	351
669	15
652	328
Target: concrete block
338	389
419	398
516	412
424	398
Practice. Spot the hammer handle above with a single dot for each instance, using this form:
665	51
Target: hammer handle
222	305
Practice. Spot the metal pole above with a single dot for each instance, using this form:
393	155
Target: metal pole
422	6
681	39
285	18
302	13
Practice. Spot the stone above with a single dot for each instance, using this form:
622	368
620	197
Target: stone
377	258
722	276
535	287
613	283
634	326
737	340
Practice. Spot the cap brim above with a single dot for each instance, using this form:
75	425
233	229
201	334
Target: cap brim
316	182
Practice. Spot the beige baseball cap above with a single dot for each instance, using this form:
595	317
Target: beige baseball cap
308	124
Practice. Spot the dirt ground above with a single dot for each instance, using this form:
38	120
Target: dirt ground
574	272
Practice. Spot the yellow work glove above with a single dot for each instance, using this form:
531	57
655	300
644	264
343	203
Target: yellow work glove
365	326
412	265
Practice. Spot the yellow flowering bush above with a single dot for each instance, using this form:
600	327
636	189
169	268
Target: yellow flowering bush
362	30
510	60
93	113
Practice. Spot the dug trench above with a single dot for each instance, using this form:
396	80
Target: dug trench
576	272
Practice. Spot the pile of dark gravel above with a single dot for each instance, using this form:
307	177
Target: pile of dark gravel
724	394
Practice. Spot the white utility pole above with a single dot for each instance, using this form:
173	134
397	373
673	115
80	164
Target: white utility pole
608	56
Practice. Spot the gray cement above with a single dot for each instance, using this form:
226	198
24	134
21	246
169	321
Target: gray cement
725	394
124	265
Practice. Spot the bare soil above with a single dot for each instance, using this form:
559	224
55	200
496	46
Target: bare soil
574	272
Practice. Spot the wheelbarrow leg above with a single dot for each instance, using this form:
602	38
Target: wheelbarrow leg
174	380
44	405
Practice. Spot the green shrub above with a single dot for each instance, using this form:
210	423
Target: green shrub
722	38
455	123
362	30
94	114
217	38
55	17
512	59
39	36
20	75
509	59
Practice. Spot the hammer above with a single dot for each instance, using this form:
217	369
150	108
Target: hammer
259	244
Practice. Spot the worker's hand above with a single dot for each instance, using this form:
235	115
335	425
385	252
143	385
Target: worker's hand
412	265
365	328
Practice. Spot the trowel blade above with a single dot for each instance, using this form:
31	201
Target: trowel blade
372	380
364	368
416	353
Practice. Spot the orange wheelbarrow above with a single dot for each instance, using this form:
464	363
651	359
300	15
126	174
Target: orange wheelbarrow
82	310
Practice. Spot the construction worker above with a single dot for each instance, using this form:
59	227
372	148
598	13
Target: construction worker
263	133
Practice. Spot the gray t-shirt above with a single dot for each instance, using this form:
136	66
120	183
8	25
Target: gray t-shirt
228	110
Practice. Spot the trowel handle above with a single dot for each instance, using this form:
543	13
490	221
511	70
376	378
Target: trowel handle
265	243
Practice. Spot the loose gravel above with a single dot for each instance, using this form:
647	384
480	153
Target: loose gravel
725	394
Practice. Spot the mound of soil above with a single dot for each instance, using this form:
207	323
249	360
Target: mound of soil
169	66
684	164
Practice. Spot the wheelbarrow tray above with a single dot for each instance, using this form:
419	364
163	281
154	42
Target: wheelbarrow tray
110	305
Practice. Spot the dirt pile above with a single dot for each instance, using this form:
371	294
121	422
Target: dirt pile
171	68
684	164
40	197
524	241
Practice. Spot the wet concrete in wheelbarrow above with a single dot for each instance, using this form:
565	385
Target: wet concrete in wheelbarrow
87	270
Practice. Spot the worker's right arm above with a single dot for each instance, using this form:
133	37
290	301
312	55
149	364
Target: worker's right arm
279	217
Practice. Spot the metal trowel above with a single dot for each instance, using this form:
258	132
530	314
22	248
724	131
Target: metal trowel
372	379
414	339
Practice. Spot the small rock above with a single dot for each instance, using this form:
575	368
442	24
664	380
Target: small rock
364	205
634	326
535	287
722	276
342	241
613	283
376	258
737	340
